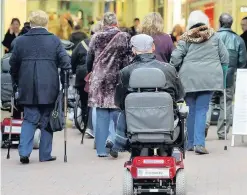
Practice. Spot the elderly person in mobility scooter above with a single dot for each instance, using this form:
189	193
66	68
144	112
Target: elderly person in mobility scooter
147	92
34	70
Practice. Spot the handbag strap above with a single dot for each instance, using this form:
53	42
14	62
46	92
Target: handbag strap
84	45
107	46
57	100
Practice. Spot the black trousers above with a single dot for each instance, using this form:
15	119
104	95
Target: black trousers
86	114
83	98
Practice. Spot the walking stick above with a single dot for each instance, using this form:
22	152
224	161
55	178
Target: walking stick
85	121
65	113
225	68
225	147
11	125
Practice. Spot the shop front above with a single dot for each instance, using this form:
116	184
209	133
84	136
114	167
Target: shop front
207	6
214	8
240	13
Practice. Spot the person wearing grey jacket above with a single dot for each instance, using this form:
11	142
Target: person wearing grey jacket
200	58
237	59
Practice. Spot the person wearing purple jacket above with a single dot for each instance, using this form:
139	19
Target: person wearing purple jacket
153	25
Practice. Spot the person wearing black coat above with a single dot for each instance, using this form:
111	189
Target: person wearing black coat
24	30
11	34
244	28
78	62
35	60
77	36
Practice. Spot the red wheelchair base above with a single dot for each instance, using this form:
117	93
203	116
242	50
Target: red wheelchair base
155	174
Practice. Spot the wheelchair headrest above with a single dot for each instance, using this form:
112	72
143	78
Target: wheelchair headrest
147	78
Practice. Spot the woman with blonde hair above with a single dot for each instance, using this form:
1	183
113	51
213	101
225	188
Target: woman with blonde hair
65	29
153	25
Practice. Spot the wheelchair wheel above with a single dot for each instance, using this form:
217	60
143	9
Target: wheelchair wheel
78	118
128	188
180	182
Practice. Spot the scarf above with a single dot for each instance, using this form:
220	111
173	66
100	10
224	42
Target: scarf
198	35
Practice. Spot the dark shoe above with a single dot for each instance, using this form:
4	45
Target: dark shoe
200	150
102	156
24	159
113	153
190	149
109	145
206	132
221	138
53	158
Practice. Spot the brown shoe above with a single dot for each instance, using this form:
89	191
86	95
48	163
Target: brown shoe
201	150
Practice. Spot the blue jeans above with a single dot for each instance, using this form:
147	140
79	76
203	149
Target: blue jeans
121	140
198	103
33	115
105	129
94	119
91	125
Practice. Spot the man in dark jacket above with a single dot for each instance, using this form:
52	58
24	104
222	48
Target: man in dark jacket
237	59
77	36
244	28
34	64
143	48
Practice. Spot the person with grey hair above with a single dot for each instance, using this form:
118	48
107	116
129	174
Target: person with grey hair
143	48
34	65
201	58
237	59
108	53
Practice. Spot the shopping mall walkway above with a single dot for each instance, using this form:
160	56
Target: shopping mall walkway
219	173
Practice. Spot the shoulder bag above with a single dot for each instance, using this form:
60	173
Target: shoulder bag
56	120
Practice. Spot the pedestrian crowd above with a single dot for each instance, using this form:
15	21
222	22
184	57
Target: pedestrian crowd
198	64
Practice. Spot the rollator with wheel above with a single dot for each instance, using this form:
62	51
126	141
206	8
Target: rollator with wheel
156	137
